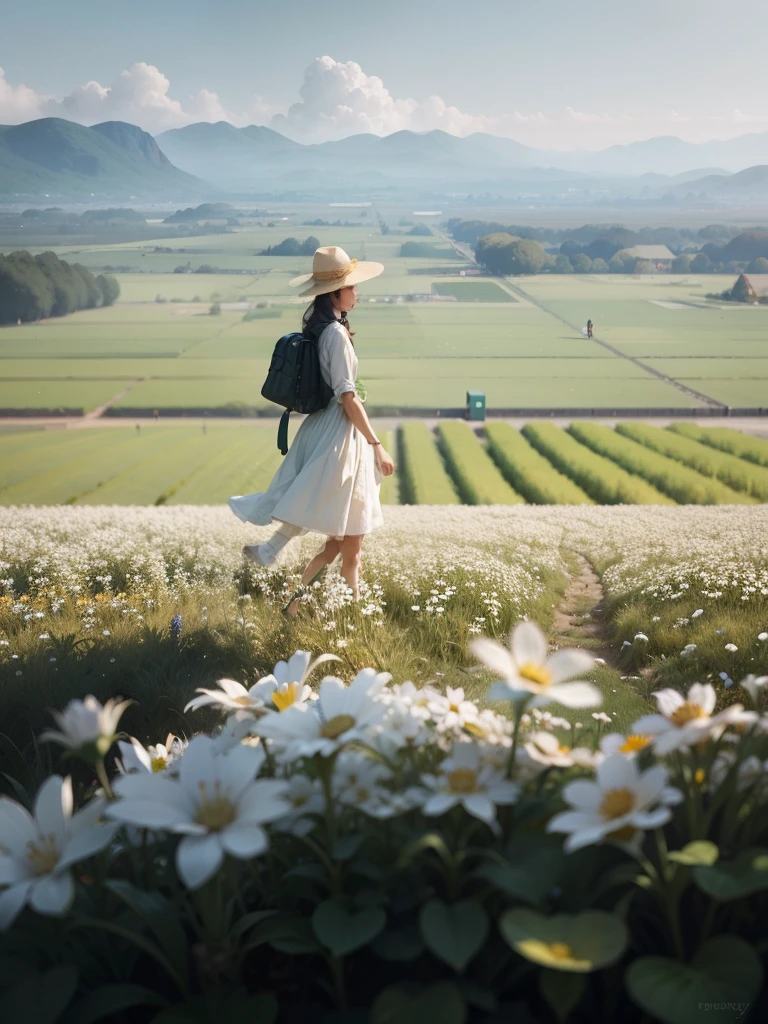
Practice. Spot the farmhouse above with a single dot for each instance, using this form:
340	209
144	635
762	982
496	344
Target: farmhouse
751	288
658	254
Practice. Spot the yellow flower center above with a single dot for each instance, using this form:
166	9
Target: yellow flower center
616	803
43	854
622	835
561	950
158	764
454	708
462	780
699	776
215	811
283	699
336	726
536	673
634	743
476	729
687	713
564	750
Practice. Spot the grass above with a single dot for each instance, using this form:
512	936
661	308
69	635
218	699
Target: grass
473	291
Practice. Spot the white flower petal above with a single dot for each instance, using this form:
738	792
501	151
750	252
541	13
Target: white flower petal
569	663
528	644
198	858
11	902
52	894
668	701
494	656
17	826
479	806
575	695
439	803
53	806
244	840
617	772
583	795
85	844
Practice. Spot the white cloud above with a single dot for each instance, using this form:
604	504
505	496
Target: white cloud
339	99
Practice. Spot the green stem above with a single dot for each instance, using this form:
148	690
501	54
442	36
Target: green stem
519	709
101	774
668	897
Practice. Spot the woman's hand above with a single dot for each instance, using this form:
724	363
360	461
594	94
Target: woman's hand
383	461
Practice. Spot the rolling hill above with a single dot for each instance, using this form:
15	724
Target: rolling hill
111	160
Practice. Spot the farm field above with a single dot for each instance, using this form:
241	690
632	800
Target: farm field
205	463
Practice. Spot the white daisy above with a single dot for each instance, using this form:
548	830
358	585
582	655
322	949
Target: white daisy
39	849
305	798
87	723
526	670
341	715
155	758
546	749
215	804
463	779
617	806
450	711
685	721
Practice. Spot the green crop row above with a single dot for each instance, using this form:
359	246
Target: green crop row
753	449
389	484
423	479
477	478
731	470
685	485
602	479
528	472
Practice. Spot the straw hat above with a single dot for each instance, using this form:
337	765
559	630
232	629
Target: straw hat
332	268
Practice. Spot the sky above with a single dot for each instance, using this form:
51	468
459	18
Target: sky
555	74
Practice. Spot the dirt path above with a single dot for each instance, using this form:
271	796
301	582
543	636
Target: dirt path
579	618
96	414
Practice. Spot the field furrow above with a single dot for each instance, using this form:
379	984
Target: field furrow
601	478
680	482
730	469
528	472
724	439
423	479
476	476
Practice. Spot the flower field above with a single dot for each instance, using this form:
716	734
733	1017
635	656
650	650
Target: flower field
417	804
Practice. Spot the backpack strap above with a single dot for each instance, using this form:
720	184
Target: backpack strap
282	433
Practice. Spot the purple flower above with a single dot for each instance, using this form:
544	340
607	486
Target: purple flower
176	627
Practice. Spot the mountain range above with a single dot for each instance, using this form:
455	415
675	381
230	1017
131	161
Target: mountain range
206	161
57	157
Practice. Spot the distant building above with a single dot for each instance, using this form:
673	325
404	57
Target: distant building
751	288
658	254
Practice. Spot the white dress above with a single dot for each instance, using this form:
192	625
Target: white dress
329	481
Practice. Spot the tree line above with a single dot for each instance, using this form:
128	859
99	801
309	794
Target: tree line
32	287
501	252
292	247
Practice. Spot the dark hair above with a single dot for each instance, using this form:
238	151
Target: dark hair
320	312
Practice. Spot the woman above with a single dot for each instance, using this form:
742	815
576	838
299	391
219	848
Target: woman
330	479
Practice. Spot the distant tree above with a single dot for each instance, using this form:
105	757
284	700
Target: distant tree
701	264
602	249
562	265
205	268
644	267
502	253
758	266
571	248
581	263
93	292
748	246
110	289
682	264
309	245
64	293
621	264
215	309
420	229
599	266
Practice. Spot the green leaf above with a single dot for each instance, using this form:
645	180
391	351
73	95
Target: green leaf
400	945
699	852
726	970
110	999
161	920
582	943
40	998
346	847
441	1003
286	934
731	880
454	933
342	932
531	870
561	991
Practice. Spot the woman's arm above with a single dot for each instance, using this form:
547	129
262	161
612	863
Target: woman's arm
355	412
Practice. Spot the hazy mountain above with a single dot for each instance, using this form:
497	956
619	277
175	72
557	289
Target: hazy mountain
667	154
749	185
63	158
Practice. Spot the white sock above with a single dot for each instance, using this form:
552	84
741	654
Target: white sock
271	548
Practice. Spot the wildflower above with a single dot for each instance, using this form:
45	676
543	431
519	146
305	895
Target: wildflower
87	724
216	804
341	715
753	685
305	799
39	849
685	721
452	711
762	637
176	627
630	745
731	647
545	748
157	758
527	672
697	613
641	636
617	806
464	780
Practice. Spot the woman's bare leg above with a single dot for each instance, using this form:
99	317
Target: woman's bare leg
350	562
324	557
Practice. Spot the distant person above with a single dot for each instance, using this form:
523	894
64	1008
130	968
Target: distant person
330	479
589	328
205	427
156	414
138	428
